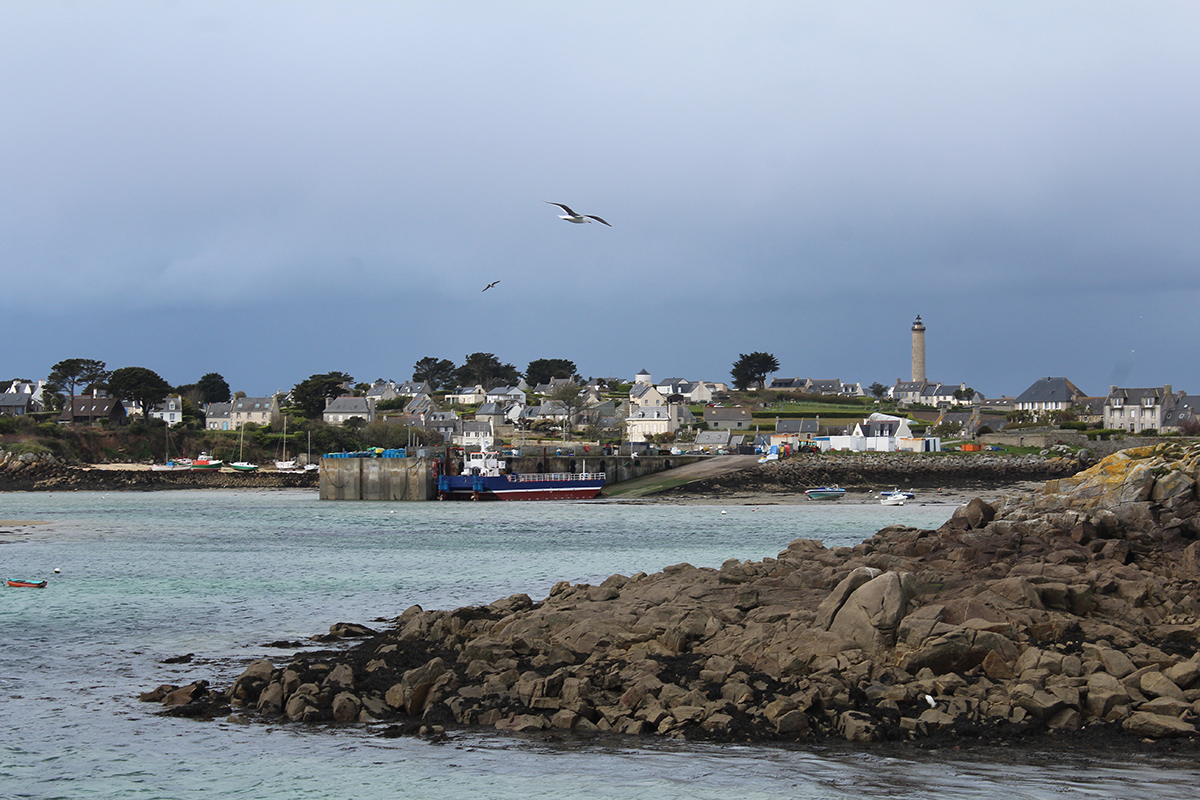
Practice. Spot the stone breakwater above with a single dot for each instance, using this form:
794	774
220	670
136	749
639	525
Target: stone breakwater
1071	609
29	472
854	470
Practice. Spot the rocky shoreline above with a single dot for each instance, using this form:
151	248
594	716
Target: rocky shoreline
44	473
1070	612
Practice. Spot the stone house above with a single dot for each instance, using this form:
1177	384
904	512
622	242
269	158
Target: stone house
259	410
1136	410
218	416
340	410
724	418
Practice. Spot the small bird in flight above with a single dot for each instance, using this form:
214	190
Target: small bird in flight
571	216
490	285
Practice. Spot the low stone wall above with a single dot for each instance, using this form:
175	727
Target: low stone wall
884	470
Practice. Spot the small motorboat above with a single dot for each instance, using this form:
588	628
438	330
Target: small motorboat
825	493
893	499
894	492
26	584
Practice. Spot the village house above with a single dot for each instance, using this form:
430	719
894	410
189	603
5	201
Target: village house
1136	410
505	395
467	395
880	433
722	418
170	410
444	423
381	391
259	410
22	397
802	429
413	388
1186	410
90	410
646	395
340	410
647	421
710	441
218	416
477	434
1048	395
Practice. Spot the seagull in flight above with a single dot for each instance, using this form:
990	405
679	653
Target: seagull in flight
490	285
571	216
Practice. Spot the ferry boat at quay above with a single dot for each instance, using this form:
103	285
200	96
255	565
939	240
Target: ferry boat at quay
484	478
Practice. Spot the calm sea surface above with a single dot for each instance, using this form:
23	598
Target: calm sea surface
147	576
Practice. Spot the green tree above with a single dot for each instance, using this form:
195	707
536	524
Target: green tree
213	388
139	385
543	370
311	393
438	372
878	390
751	370
486	370
967	394
572	401
72	372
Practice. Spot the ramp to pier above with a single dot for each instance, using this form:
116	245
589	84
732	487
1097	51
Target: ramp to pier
651	484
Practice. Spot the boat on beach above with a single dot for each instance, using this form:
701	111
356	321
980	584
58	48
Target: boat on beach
825	493
204	461
897	499
484	478
19	584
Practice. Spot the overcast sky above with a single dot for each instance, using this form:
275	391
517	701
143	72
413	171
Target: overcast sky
271	190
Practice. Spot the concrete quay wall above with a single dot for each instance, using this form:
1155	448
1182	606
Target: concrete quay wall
412	478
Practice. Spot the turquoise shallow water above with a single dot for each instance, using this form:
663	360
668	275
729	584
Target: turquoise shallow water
145	576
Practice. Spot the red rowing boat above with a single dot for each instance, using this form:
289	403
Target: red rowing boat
27	584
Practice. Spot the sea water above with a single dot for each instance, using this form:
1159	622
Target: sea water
222	574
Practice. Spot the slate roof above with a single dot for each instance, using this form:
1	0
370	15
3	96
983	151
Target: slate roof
348	405
1050	390
726	414
796	426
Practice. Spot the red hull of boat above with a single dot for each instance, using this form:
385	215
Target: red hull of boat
27	584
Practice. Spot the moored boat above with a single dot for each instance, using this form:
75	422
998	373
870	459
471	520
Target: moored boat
909	495
19	584
825	493
484	478
243	466
897	499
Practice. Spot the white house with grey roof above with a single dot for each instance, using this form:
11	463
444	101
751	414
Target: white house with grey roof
1048	395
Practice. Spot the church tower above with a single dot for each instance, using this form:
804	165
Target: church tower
918	351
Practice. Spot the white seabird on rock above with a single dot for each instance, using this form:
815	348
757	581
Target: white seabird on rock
571	216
